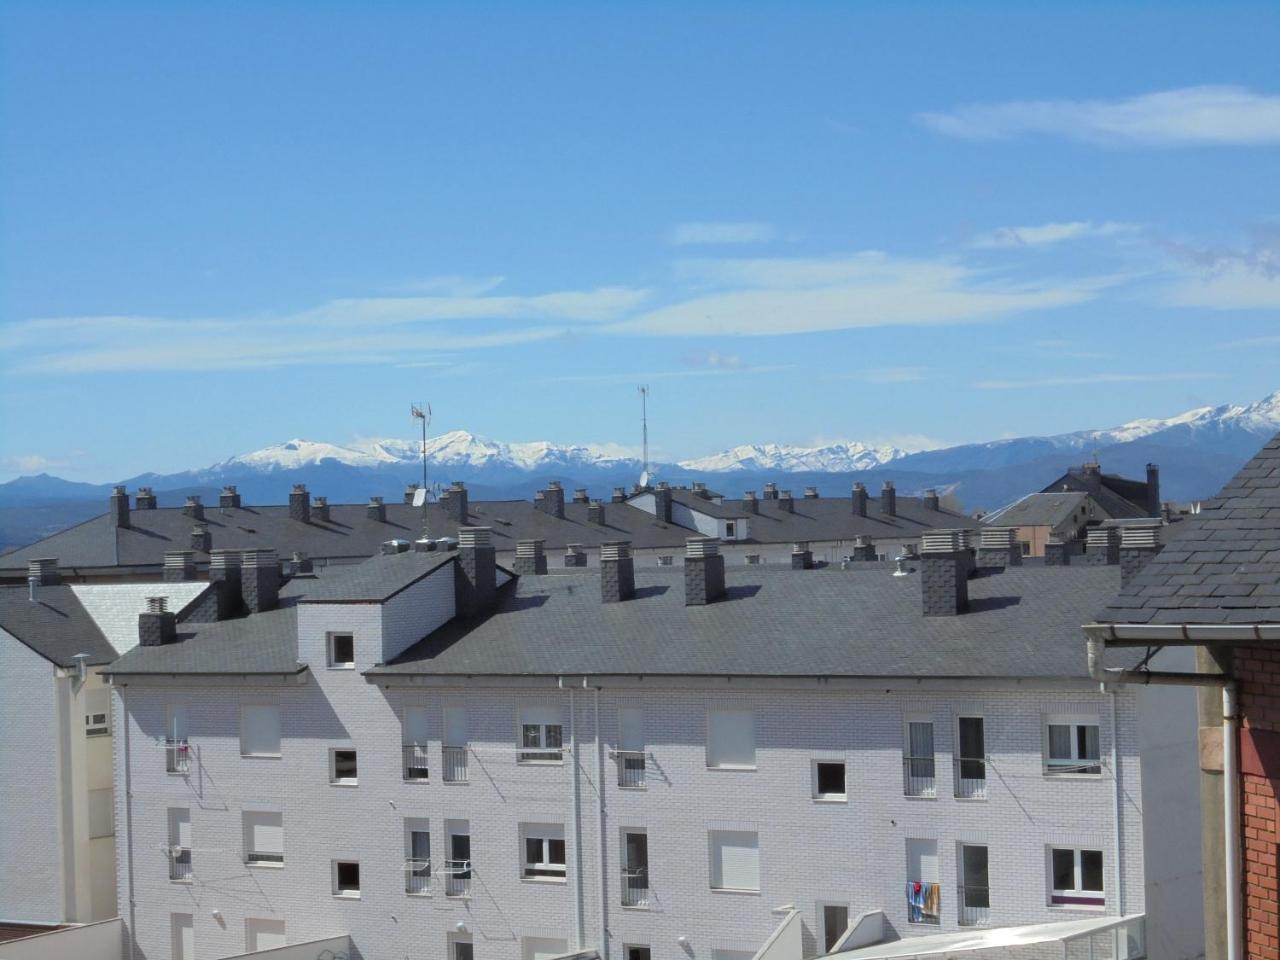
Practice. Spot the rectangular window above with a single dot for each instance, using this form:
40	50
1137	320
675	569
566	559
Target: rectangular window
259	730
1076	877
975	890
182	933
461	950
102	814
828	780
346	878
631	747
971	758
342	767
730	530
342	651
735	860
97	716
457	869
1072	745
417	848
924	893
414	735
177	751
544	855
636	951
635	868
541	735
835	921
731	740
263	934
263	838
454	750
918	761
180	844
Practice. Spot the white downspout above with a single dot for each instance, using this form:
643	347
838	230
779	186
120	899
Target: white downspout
580	925
1231	807
603	947
1115	824
128	817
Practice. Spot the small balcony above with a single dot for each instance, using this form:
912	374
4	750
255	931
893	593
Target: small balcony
177	757
635	888
417	877
454	764
540	755
457	878
971	778
924	902
631	768
415	762
975	905
918	778
270	858
180	864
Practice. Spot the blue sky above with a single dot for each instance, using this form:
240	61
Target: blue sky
224	225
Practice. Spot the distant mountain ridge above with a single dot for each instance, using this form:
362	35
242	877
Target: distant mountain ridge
1197	450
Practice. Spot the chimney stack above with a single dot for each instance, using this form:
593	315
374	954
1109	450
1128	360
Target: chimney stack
662	501
1055	553
1139	542
320	510
376	510
157	625
301	563
409	490
801	556
999	548
454	501
1102	546
224	574
619	495
259	579
785	503
551	500
1153	490
179	566
530	558
300	503
44	572
475	581
119	507
749	502
193	508
145	500
575	556
703	571
859	500
580	495
889	500
595	512
617	571
229	499
931	499
394	546
944	582
771	491
811	493
863	548
201	539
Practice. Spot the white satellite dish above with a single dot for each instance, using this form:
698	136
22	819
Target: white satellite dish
419	497
644	478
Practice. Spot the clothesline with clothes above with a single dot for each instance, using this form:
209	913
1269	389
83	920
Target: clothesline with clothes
924	901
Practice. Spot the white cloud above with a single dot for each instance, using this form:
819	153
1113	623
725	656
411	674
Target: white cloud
633	377
1045	234
882	375
1092	378
1224	277
1186	116
709	234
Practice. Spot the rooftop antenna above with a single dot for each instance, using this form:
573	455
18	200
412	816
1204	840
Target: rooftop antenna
644	425
420	497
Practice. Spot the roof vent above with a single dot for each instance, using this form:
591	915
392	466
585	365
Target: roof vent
229	499
259	579
320	509
394	546
530	558
771	491
944	575
580	495
410	491
703	571
376	510
811	493
863	548
619	495
44	571
1102	546
157	625
179	566
469	538
575	556
801	556
998	548
617	572
193	507
146	499
1139	542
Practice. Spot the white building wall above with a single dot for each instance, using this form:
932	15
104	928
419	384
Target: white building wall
706	525
810	852
417	611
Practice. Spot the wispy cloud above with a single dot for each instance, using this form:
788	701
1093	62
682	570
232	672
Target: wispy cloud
1093	378
633	377
713	359
1188	116
882	375
38	462
1224	277
1046	234
724	233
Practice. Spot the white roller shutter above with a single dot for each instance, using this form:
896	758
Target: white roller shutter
731	739
260	730
735	860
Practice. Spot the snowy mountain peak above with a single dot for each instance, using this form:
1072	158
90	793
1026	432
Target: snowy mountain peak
296	453
839	457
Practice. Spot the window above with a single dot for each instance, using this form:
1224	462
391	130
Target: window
457	869
731	740
263	838
263	934
461	950
631	748
417	849
635	868
828	780
342	651
180	844
101	814
182	936
414	736
975	892
1072	746
542	948
924	893
453	752
1076	877
635	951
971	758
97	717
917	761
541	735
1025	547
730	530
259	730
735	860
177	751
342	767
346	879
543	852
835	921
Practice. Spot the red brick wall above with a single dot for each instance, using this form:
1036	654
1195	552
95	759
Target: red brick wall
1257	671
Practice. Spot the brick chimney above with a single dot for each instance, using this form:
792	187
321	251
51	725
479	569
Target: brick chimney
1102	546
475	582
859	500
376	510
179	566
944	582
259	579
703	571
409	490
320	510
145	500
863	548
771	491
619	495
580	495
749	502
1138	544
785	503
530	558
931	499
300	503
595	512
999	548
193	508
119	507
201	539
229	499
617	571
301	563
1056	553
157	625
801	556
662	502
224	574
811	493
1153	490
575	556
454	501
889	500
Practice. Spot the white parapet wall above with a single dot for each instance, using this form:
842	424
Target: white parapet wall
331	948
91	941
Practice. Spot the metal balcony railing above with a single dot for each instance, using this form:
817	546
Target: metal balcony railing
417	877
454	764
631	767
975	905
457	878
924	902
1086	765
177	756
180	863
971	778
415	762
918	778
539	754
264	856
635	888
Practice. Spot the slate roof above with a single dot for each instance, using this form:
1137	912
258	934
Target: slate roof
114	607
727	510
1038	510
377	579
1024	622
1221	565
55	625
1119	496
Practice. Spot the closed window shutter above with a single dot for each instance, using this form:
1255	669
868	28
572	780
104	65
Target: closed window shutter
455	727
731	739
631	728
260	733
177	722
266	832
180	827
415	725
540	715
922	860
735	860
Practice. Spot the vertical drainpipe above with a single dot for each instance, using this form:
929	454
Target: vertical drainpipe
1231	804
603	947
128	817
1115	836
580	926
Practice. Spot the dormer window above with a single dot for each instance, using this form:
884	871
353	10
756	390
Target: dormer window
342	651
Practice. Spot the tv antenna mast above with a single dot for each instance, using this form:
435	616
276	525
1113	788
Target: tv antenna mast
643	390
418	413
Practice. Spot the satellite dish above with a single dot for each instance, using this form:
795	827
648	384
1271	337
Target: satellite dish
644	478
419	497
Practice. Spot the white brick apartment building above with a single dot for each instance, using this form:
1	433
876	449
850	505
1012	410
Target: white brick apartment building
444	760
